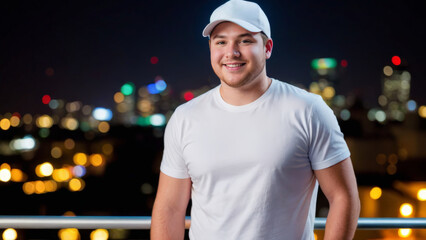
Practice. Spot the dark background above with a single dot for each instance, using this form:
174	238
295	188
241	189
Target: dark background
93	47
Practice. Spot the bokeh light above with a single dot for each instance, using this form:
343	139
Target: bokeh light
375	193
422	111
69	143
9	234
396	60
158	119
46	99
44	121
61	174
28	188
79	171
128	88
118	97
99	234
404	232
96	159
17	175
5	124
5	175
188	95
44	169
102	114
388	71
406	209
69	234
56	152
154	60
80	158
421	194
15	121
103	127
107	149
76	184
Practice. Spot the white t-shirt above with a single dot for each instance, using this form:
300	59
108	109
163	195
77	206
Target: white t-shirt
252	166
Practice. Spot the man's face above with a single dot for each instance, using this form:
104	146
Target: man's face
237	55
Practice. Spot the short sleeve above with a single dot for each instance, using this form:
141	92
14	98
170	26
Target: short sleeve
173	163
327	145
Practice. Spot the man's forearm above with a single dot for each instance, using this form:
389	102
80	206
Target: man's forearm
342	219
166	225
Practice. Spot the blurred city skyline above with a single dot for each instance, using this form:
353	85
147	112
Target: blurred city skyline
85	51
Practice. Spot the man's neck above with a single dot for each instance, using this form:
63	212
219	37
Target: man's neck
244	95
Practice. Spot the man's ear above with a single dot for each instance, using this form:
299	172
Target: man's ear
268	48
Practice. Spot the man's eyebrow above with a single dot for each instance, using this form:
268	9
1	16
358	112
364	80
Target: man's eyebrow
239	36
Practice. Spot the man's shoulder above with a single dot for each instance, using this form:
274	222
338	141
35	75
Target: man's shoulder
291	92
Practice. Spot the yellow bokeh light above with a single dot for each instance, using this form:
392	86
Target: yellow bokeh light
69	234
61	175
107	148
44	121
10	234
99	234
50	186
388	71
56	152
70	123
404	232
80	159
118	97
5	166
17	175
96	159
28	188
69	144
44	169
103	127
4	124
314	88
328	92
5	175
145	106
422	111
69	214
76	184
421	194
39	187
375	193
406	209
15	121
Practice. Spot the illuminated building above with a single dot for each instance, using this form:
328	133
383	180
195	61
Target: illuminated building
396	81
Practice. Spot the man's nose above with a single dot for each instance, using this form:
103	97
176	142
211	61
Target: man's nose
233	51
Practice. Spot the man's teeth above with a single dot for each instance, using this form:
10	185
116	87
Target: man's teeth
234	65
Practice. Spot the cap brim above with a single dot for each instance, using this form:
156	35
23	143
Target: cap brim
209	28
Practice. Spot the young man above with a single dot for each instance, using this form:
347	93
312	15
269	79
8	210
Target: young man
251	152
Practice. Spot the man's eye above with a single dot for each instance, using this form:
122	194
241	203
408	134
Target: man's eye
220	42
246	41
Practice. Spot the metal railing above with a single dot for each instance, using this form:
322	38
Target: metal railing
144	222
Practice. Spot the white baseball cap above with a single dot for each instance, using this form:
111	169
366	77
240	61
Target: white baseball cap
247	14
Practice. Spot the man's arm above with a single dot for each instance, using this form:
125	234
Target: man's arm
168	214
339	185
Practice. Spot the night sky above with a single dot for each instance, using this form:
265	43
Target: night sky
93	47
